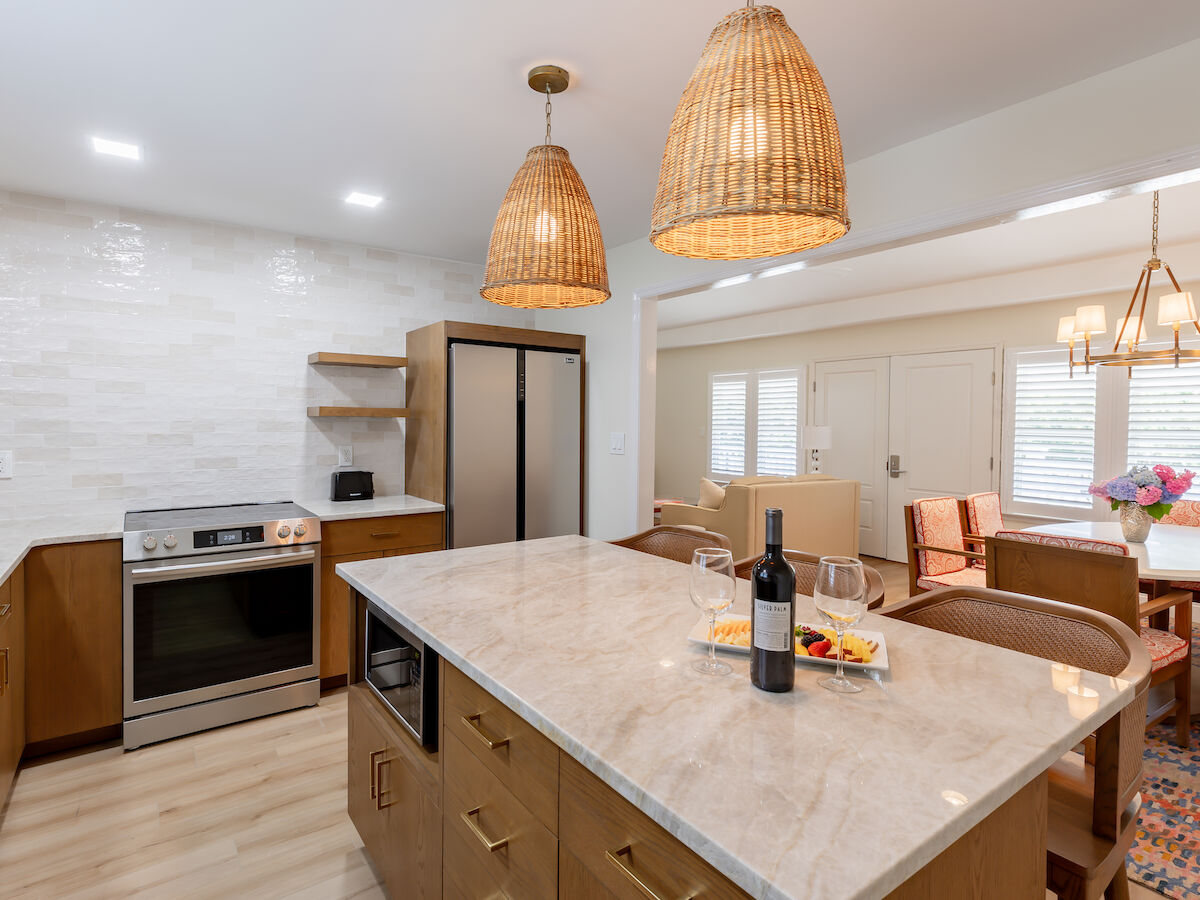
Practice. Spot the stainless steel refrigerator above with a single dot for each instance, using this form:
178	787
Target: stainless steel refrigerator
514	469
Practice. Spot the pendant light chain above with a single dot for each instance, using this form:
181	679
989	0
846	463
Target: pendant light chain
548	117
1154	238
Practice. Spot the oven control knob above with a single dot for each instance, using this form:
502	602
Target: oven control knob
301	530
283	531
169	542
150	542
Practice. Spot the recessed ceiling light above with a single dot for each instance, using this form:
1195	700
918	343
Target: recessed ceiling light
369	200
116	148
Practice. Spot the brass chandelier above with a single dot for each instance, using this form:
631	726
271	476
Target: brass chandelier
1173	309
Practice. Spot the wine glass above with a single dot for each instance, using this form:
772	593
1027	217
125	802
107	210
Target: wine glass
712	589
840	597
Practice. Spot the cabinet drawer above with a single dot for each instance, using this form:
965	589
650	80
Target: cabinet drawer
381	533
620	845
523	856
523	759
463	877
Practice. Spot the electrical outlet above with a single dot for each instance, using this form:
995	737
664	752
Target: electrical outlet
345	456
5	464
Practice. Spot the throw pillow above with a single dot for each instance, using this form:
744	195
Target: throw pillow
712	495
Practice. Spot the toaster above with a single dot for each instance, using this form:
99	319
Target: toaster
352	485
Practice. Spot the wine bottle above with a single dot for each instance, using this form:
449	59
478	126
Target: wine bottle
773	615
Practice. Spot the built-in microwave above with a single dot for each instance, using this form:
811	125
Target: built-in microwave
402	672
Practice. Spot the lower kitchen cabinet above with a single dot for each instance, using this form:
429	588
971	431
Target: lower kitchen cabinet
394	799
12	678
352	540
73	641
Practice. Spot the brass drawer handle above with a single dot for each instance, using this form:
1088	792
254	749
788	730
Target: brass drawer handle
628	872
4	684
5	610
492	846
383	534
371	763
472	722
379	804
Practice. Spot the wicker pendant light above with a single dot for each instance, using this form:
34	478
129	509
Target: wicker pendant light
753	163
546	251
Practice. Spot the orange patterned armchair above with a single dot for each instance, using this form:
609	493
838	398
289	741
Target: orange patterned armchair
937	552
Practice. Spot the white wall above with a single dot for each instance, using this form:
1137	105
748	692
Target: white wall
155	361
1040	146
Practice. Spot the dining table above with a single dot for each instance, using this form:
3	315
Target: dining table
1170	553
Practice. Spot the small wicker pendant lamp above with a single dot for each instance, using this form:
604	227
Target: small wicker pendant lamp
546	251
753	163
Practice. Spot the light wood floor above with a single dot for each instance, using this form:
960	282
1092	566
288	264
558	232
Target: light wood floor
251	810
895	578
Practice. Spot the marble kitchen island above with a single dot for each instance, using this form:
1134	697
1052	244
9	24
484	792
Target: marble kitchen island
807	794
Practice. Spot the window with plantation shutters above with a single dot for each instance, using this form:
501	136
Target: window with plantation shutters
727	428
754	422
1164	419
1052	431
778	417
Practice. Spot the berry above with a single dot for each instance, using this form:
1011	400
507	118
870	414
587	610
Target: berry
819	648
810	638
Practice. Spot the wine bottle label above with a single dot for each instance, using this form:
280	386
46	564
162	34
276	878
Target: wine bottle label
772	625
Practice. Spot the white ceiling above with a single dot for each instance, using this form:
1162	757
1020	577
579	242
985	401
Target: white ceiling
268	112
1091	232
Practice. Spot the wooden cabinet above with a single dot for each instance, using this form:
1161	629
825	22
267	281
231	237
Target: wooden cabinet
351	540
73	641
390	800
12	678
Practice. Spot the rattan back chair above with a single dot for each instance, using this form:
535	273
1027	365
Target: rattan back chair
674	541
1093	803
805	566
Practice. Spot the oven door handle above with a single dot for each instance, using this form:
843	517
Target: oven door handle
195	570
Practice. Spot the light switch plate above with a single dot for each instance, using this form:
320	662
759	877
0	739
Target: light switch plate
5	464
616	443
345	456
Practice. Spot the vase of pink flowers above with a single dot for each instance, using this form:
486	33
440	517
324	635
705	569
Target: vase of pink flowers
1143	495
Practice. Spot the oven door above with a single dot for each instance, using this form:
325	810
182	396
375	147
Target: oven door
203	627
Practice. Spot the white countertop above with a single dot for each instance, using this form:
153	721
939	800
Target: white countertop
18	534
1171	552
806	794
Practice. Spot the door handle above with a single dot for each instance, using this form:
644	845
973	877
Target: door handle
617	858
371	763
379	791
492	846
893	466
4	684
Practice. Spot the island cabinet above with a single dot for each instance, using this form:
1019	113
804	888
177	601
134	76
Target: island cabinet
12	678
349	541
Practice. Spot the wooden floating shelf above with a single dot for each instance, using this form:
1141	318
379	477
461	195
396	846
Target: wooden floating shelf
357	359
372	412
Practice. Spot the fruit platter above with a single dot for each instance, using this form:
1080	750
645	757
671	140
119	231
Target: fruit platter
813	643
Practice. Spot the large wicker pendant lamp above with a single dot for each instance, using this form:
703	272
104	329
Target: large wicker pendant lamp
546	251
753	163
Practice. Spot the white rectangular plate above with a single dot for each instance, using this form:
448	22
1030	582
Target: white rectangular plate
879	657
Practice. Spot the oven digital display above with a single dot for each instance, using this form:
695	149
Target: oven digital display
227	537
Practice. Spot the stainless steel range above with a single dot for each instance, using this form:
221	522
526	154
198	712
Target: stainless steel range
221	616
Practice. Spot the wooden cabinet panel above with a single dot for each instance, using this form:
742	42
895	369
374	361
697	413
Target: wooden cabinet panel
399	822
381	533
576	881
73	639
335	619
462	877
526	761
597	823
12	678
479	808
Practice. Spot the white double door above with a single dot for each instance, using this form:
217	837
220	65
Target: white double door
906	427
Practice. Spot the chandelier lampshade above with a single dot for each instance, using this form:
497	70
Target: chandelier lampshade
546	251
753	162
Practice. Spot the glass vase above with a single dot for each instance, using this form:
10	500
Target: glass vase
1135	522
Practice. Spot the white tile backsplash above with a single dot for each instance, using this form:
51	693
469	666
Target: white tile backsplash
148	360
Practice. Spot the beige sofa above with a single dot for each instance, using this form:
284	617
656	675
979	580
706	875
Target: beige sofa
820	514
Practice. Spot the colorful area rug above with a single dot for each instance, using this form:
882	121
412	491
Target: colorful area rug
1166	850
